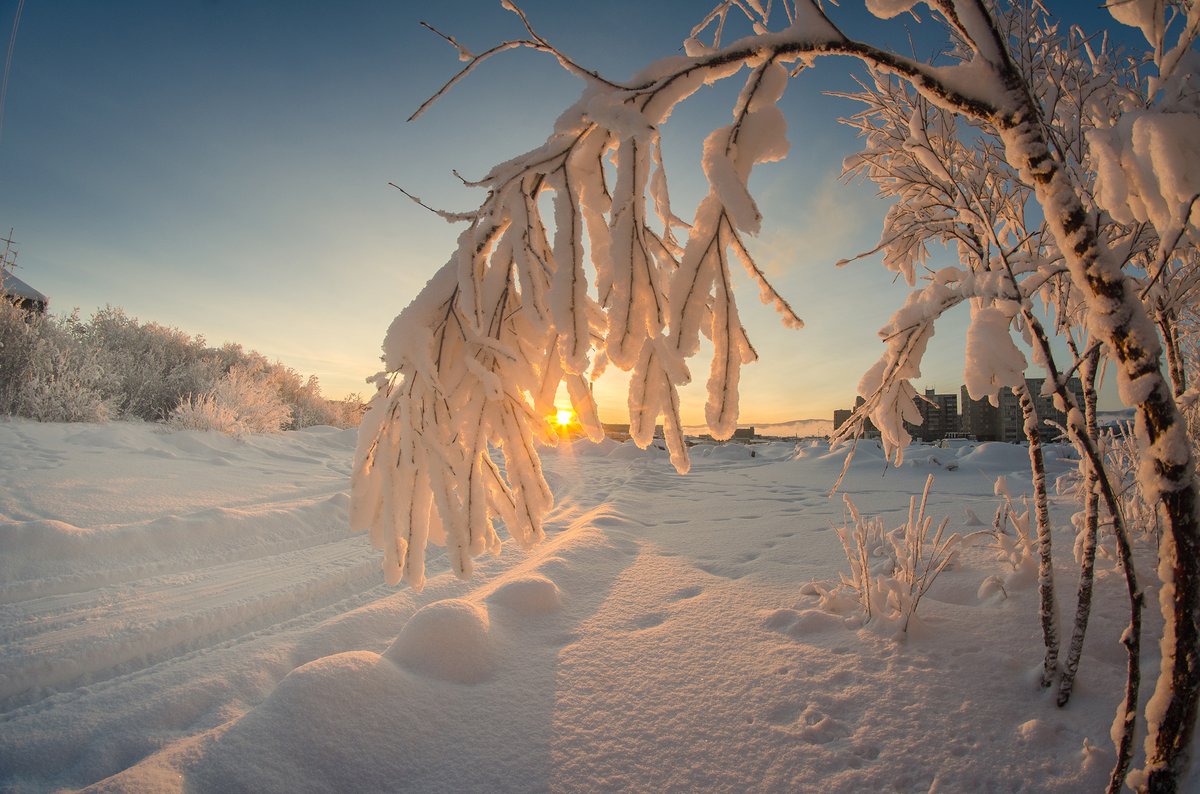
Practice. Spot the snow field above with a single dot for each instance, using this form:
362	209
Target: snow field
661	639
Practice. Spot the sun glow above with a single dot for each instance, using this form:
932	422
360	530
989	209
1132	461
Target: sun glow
564	417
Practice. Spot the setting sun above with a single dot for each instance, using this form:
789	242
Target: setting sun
564	417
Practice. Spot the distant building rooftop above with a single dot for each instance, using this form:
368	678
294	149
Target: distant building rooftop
21	293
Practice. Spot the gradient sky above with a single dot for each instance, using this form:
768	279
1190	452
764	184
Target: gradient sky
222	167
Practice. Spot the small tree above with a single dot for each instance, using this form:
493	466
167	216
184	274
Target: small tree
964	146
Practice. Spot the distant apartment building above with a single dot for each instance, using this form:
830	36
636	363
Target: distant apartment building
979	418
939	417
1046	410
842	416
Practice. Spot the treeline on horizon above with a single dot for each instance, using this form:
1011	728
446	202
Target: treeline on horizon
110	366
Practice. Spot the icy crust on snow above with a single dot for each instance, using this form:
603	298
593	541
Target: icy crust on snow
662	638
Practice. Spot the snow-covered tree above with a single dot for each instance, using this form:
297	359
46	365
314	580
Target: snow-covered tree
1001	129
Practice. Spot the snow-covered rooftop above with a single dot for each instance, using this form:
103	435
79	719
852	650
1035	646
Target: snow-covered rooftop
11	285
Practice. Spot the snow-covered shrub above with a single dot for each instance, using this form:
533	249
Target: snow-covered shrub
64	380
18	338
152	366
891	571
863	541
348	411
203	412
301	395
240	403
112	366
1018	550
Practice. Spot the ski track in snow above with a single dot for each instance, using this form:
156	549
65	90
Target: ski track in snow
210	626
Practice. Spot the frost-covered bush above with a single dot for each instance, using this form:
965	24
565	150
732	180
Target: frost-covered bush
302	395
1121	457
348	411
47	373
111	366
18	339
1018	549
152	366
239	403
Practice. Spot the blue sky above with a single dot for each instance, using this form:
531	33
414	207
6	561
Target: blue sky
222	167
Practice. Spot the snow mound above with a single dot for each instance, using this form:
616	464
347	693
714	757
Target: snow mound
327	715
450	640
777	450
320	685
925	456
723	452
528	595
996	456
586	447
867	452
631	451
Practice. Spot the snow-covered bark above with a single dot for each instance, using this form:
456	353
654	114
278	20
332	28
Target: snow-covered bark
1086	543
1048	609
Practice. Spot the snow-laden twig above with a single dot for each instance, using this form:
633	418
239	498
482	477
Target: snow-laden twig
891	571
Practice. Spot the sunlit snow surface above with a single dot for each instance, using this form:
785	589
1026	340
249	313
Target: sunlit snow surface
185	611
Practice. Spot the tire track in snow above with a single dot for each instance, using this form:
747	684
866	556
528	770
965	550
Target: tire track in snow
53	643
71	638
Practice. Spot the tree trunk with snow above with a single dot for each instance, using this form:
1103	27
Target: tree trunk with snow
1087	547
1047	608
1169	327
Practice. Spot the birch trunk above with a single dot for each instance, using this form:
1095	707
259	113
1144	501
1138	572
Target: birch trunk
1047	608
1091	524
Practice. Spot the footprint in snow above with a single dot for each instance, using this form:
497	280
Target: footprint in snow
809	723
648	621
686	593
723	571
798	624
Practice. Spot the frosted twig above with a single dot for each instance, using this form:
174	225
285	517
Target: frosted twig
451	217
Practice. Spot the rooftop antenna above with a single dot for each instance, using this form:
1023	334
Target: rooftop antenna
8	259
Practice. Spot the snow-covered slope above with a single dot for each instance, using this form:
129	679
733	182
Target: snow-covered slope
185	612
